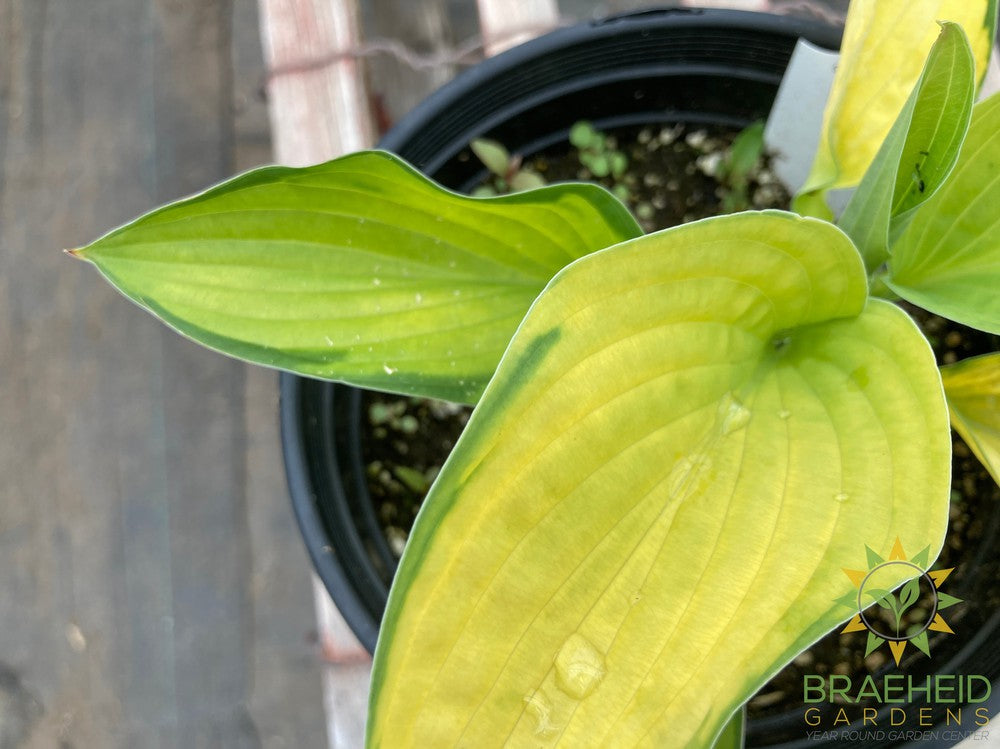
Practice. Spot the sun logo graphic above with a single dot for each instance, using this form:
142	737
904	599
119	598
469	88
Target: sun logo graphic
898	615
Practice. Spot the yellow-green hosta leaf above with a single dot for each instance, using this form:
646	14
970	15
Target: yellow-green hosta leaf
881	56
360	269
647	515
920	150
973	390
947	259
733	735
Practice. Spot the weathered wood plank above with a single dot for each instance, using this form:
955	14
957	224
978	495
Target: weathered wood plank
62	502
318	103
203	440
285	698
505	24
319	110
125	557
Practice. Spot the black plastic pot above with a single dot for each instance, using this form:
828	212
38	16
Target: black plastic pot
693	66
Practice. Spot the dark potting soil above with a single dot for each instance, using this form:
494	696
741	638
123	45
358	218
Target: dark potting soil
671	180
674	175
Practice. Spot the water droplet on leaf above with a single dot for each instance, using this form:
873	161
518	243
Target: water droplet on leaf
687	472
735	415
579	667
539	707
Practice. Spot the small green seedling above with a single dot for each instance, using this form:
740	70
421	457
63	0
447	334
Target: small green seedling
679	439
508	176
393	415
742	158
599	155
597	152
415	481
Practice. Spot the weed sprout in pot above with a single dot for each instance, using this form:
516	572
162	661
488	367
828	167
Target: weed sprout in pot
693	451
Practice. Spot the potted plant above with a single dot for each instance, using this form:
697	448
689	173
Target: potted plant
719	69
680	439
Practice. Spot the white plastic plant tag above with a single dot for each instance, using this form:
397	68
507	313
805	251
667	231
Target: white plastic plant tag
991	83
796	119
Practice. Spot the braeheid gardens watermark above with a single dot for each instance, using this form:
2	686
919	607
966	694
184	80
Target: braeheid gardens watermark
897	706
959	694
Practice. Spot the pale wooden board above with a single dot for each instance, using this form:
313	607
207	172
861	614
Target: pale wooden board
505	24
131	591
320	109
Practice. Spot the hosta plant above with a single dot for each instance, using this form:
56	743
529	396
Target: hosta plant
679	440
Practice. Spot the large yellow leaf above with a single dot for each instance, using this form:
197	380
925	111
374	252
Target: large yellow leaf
973	390
688	438
882	54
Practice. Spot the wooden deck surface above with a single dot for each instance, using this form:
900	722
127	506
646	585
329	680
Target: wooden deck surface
153	590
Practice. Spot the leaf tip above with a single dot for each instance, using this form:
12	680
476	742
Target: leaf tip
76	252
